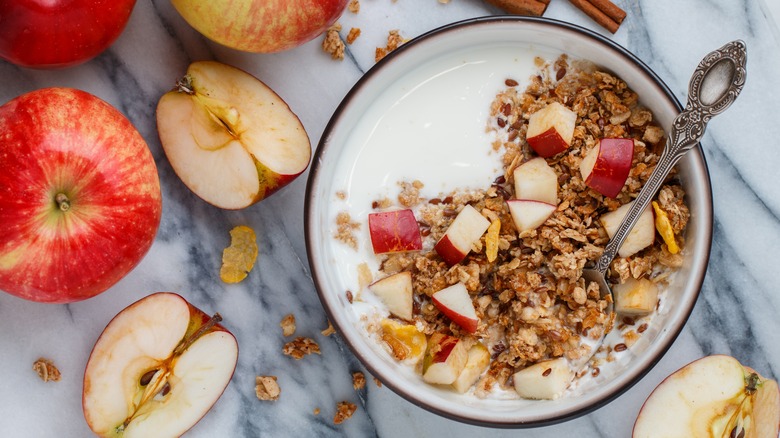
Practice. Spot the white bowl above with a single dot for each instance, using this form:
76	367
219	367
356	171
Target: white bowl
470	40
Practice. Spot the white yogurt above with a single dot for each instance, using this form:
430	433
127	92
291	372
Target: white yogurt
430	126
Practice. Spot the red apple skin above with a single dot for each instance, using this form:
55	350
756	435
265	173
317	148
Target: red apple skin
59	33
260	26
65	141
612	166
446	342
467	324
394	231
547	144
448	251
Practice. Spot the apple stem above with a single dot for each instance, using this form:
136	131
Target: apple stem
185	344
184	85
752	383
62	201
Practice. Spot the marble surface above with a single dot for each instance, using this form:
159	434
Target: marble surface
736	313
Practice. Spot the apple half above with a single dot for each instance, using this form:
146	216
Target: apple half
537	181
455	302
156	369
606	167
230	138
394	231
551	129
640	237
468	227
714	396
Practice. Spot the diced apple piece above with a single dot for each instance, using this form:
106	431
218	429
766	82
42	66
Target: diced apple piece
635	297
528	215
466	229
407	343
545	380
445	358
394	231
642	236
606	167
537	181
476	364
395	291
551	129
714	396
455	302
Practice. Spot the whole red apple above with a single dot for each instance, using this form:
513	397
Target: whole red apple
80	197
59	33
260	26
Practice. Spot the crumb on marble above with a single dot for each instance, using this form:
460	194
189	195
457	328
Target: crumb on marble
344	411
332	43
377	382
358	380
394	39
353	34
341	195
300	347
46	370
328	331
354	6
316	411
288	325
266	388
345	230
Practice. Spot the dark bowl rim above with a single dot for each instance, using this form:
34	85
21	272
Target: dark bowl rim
455	26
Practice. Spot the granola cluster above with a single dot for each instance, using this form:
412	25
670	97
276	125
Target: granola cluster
528	290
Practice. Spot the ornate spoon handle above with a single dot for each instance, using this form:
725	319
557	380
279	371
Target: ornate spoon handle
715	84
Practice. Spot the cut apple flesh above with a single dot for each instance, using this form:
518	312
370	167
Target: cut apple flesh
640	237
476	364
635	297
551	129
395	291
537	181
467	228
711	397
545	380
606	167
528	215
138	384
229	137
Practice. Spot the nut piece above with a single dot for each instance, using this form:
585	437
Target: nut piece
46	370
344	411
358	380
266	388
300	347
288	325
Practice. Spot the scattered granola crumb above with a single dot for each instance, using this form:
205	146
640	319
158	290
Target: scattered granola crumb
332	44
266	388
358	380
377	382
354	6
444	2
300	347
345	228
394	39
316	411
341	195
46	370
344	411
288	325
353	34
328	331
365	277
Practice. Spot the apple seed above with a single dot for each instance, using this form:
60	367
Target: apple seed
147	377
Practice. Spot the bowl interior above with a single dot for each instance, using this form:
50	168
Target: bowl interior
343	164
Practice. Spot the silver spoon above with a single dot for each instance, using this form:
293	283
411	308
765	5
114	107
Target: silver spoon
715	84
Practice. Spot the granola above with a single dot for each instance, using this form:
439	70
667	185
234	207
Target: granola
332	43
266	388
300	347
288	325
46	370
344	411
527	288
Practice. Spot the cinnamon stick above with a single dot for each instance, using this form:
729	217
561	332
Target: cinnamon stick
604	12
521	7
